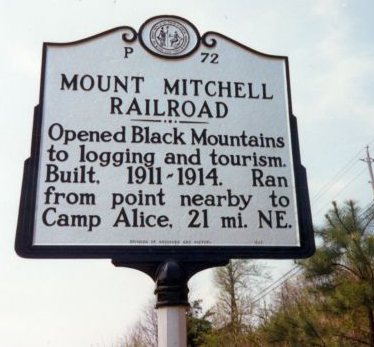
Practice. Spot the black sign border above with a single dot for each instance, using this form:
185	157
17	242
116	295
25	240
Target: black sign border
153	254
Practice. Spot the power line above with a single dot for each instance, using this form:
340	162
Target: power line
366	209
339	192
285	274
334	180
266	291
343	171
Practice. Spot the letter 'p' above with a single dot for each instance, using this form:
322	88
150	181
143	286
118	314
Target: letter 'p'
128	51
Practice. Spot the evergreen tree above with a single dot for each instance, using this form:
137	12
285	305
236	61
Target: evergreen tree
342	270
332	303
198	325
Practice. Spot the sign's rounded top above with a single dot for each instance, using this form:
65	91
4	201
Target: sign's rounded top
169	37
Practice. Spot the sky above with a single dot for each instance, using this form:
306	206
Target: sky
79	303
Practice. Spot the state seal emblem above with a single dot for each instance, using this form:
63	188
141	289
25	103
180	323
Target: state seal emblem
169	37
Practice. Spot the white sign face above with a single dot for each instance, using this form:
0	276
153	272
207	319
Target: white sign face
164	139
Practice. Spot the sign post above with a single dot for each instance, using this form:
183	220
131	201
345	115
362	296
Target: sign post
172	326
165	151
171	311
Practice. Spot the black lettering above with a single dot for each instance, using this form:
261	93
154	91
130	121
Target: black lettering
65	83
44	216
115	105
128	51
91	82
100	83
264	96
168	89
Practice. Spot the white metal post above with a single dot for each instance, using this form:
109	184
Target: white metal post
172	326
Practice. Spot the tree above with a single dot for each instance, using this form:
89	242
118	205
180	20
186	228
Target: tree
342	271
144	332
235	283
295	319
331	303
233	312
198	325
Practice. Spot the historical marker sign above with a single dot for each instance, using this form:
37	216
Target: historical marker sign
160	143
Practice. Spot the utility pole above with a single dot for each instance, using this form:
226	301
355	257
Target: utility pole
369	160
